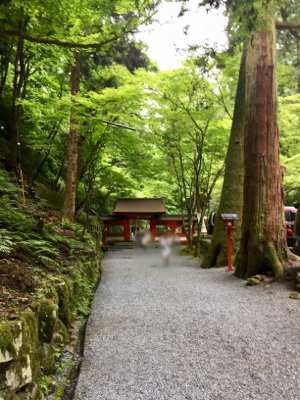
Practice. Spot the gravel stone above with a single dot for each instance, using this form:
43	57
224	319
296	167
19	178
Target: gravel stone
182	333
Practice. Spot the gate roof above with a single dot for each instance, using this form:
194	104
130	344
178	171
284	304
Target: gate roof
139	206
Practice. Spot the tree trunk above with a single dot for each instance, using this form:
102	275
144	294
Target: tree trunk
232	192
14	134
263	245
197	252
71	179
190	227
54	184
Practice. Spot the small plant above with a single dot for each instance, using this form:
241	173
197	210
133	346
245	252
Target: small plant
57	352
60	365
84	309
46	384
6	244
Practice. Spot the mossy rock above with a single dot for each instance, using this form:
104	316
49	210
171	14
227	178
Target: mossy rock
295	296
32	392
47	358
61	329
12	396
91	271
47	319
85	280
65	302
9	331
260	277
81	283
51	294
252	282
30	343
298	277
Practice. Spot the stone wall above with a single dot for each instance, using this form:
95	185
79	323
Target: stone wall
27	342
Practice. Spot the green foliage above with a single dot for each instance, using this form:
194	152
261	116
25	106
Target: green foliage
47	317
289	109
6	243
7	337
46	384
188	251
189	123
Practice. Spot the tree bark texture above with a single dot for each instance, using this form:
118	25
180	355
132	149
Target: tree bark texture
263	245
197	252
71	178
232	192
190	227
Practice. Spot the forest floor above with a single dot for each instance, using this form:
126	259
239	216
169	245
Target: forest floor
180	332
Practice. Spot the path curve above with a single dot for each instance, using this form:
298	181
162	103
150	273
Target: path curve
184	333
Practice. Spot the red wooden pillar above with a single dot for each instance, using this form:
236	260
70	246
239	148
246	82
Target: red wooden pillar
105	236
174	227
152	227
126	230
229	249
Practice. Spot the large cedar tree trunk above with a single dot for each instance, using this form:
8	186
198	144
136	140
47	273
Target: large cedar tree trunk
263	244
71	179
232	192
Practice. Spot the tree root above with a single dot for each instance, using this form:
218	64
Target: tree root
212	255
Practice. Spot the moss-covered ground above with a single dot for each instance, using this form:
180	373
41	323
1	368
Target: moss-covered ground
48	274
38	253
190	251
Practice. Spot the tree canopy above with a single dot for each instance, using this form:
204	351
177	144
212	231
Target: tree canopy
141	132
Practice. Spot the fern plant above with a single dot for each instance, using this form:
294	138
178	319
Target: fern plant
41	247
6	244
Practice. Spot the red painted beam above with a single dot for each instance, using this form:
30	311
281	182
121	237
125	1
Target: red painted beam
113	223
126	230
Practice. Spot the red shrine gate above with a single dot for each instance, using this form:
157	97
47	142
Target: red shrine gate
147	209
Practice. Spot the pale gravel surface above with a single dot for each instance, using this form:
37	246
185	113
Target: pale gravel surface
186	333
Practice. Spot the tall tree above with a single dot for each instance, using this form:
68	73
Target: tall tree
71	178
263	244
232	192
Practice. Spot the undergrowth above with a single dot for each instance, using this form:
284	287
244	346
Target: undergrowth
35	247
190	251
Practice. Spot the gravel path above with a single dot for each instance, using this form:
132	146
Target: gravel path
186	333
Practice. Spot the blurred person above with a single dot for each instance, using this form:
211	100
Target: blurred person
165	242
137	235
132	232
142	238
145	239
